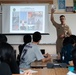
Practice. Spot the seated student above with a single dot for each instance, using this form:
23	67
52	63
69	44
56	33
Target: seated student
7	56
66	52
3	38
5	70
26	39
74	63
74	37
31	52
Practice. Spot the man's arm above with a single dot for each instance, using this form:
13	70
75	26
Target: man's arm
69	32
41	57
47	58
52	18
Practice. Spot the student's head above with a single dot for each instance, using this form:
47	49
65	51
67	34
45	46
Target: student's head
27	38
3	38
74	57
73	37
67	41
62	19
36	36
6	52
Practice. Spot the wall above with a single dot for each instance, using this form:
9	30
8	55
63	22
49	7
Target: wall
48	48
51	49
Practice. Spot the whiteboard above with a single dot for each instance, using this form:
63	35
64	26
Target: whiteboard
51	38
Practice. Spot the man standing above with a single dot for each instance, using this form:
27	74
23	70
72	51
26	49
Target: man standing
62	30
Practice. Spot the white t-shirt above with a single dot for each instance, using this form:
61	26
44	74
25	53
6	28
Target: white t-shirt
30	53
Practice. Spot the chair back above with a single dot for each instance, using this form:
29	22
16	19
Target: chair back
5	69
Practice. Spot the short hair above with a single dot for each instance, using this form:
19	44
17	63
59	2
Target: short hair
36	36
74	57
27	38
62	16
68	40
3	38
73	37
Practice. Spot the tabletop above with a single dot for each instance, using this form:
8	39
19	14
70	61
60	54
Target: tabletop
45	71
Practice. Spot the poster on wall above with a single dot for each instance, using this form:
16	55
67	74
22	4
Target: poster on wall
61	4
74	5
69	9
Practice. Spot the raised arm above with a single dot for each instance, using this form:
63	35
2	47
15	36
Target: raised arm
52	18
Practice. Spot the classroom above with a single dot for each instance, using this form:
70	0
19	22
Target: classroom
49	40
49	34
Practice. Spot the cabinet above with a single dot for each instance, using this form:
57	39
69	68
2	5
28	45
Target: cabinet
26	1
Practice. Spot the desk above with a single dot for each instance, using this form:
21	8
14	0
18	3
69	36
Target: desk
42	72
45	72
39	64
56	71
61	71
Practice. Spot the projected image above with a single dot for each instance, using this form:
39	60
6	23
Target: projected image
38	20
35	20
27	19
23	20
31	18
15	21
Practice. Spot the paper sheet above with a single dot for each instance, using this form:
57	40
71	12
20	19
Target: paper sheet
32	71
70	73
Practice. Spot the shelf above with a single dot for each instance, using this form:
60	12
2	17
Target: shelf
64	13
26	1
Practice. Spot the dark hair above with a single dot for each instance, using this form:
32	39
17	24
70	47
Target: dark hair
73	37
62	16
6	52
3	38
36	36
67	41
74	57
7	55
27	38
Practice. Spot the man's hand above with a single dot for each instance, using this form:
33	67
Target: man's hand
48	56
62	36
52	11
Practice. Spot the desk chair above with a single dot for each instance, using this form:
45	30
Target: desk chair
20	48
